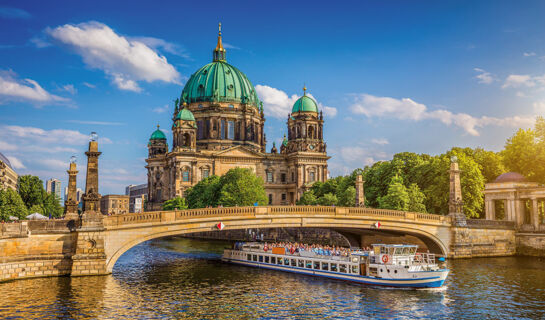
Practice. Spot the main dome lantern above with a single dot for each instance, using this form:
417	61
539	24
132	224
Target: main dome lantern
219	81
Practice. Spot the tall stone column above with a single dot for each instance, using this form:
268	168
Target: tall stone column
71	201
91	217
455	203
360	194
490	209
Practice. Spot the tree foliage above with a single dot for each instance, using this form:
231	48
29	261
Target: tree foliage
238	187
11	204
31	189
178	203
397	197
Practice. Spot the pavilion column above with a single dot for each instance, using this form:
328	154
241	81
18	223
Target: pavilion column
535	214
490	210
510	210
519	211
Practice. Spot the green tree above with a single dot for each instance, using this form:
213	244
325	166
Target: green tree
397	197
307	198
241	187
175	203
52	205
416	198
329	199
11	204
347	197
490	163
205	193
525	152
31	189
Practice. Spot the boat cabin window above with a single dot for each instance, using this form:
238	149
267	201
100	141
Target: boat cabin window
286	261
255	257
334	267
301	263
355	269
249	257
342	268
273	259
266	259
316	265
260	258
293	264
325	266
308	264
279	261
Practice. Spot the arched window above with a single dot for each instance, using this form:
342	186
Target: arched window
187	140
186	175
311	132
205	172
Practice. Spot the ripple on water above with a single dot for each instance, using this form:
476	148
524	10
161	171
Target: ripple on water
183	279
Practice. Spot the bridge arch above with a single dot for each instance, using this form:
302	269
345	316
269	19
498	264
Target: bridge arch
126	231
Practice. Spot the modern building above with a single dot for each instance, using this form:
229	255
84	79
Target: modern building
8	176
218	124
54	186
138	194
114	204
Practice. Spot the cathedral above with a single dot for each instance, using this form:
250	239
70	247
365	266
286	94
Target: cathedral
218	124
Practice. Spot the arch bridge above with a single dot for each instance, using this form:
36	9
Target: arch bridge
122	232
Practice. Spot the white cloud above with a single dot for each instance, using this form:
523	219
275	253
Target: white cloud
124	60
230	46
4	146
484	76
14	13
169	47
16	163
539	108
162	109
89	85
41	136
523	80
52	163
27	90
529	54
407	109
278	104
98	123
70	89
380	141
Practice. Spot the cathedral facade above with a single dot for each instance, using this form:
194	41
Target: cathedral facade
218	124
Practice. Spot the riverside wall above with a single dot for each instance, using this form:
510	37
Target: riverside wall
483	238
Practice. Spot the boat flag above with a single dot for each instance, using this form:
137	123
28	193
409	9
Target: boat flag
376	224
220	225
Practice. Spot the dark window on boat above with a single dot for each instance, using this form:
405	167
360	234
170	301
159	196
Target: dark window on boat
316	265
301	263
293	264
249	257
279	261
273	259
334	267
260	258
380	270
255	257
325	266
355	269
286	261
342	268
395	271
308	264
266	259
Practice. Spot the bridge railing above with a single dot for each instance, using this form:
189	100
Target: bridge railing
164	216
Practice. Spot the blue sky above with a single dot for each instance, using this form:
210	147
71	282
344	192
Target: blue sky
391	76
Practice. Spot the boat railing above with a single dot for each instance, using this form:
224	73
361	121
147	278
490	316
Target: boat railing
300	254
424	258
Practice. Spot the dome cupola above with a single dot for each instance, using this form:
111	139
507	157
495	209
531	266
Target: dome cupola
185	114
158	135
305	104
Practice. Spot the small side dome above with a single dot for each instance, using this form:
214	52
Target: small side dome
305	104
158	135
510	177
186	115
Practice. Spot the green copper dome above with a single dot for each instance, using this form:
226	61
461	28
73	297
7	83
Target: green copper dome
304	104
158	135
186	115
220	82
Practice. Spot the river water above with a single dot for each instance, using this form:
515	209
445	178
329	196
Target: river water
178	278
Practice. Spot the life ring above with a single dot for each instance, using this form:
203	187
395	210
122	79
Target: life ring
385	258
292	250
265	248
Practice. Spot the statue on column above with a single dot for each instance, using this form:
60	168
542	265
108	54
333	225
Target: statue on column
92	217
71	201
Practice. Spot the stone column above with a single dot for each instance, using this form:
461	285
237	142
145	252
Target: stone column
91	217
360	194
520	209
455	196
535	214
71	201
490	209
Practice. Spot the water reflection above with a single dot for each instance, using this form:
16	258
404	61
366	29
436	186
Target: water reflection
182	279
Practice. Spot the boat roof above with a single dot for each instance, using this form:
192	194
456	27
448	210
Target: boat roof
395	245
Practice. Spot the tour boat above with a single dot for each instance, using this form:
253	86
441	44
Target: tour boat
391	265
